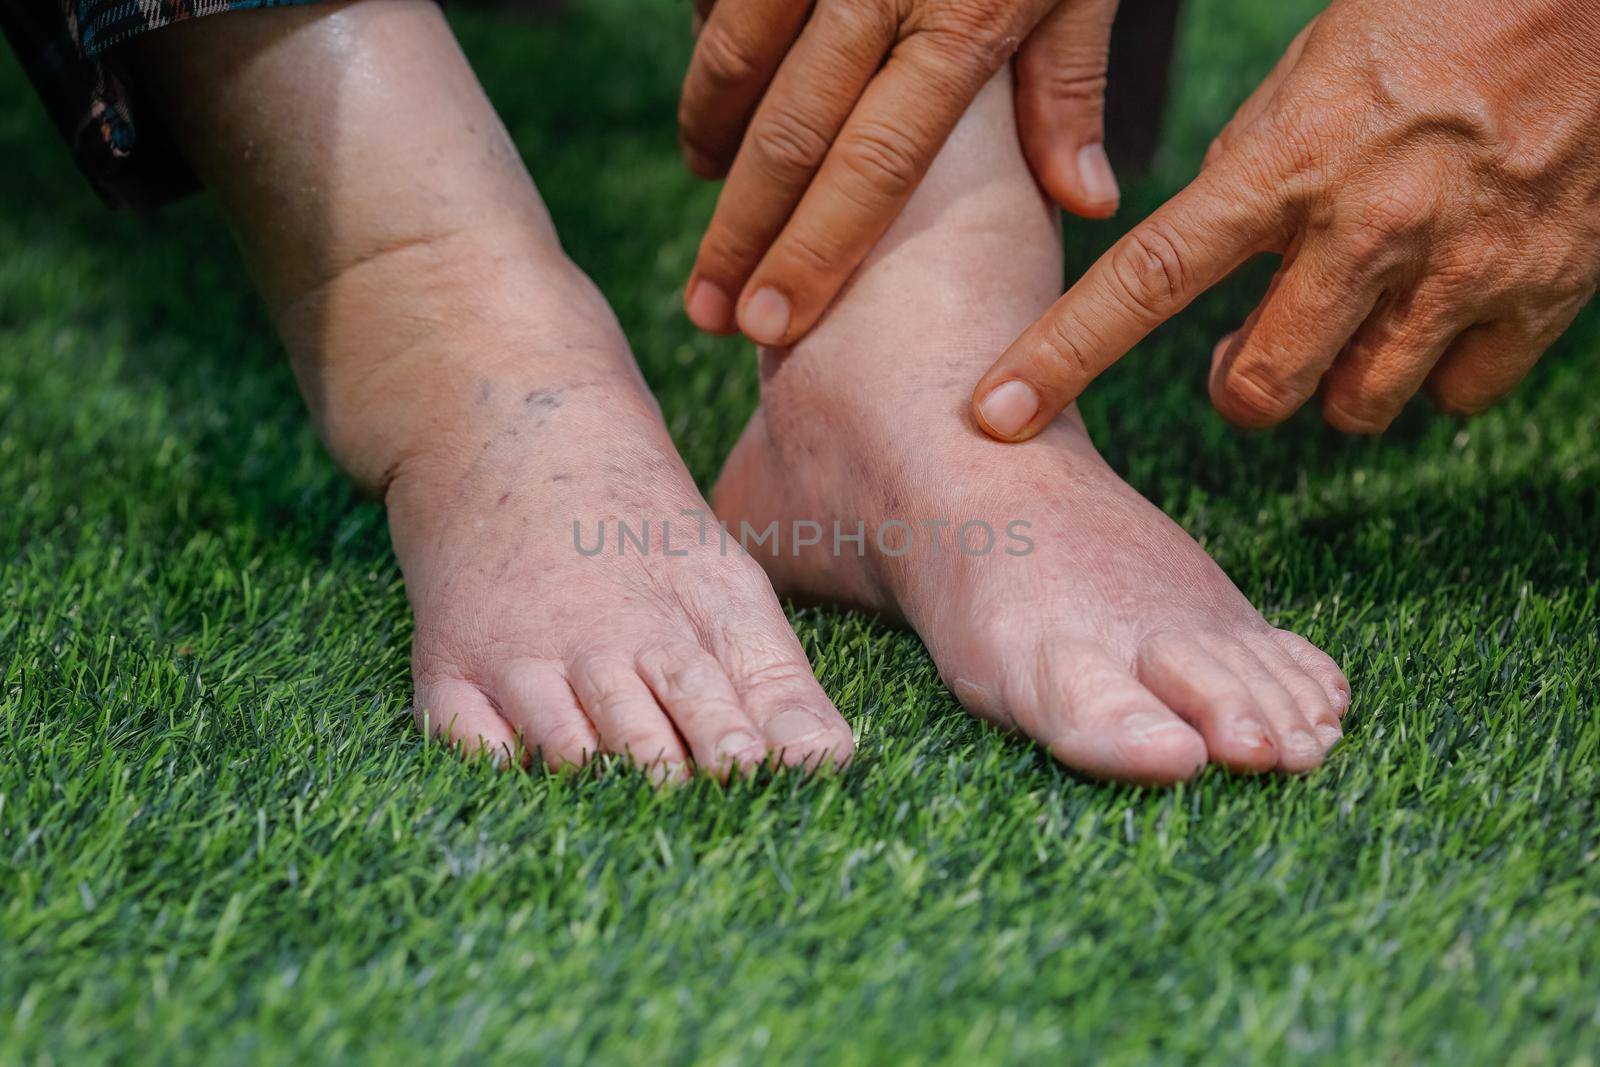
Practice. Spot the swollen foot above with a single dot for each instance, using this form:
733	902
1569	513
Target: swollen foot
541	627
1052	597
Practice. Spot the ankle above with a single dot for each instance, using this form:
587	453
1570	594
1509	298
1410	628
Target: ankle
401	355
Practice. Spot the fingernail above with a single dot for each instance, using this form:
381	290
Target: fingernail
1330	734
765	318
1099	180
1009	407
709	306
793	727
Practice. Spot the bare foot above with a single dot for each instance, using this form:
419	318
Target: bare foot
455	359
671	652
1056	600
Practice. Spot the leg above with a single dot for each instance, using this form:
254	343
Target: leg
457	362
1114	639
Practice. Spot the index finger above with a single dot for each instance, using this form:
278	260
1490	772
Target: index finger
737	51
902	120
1190	244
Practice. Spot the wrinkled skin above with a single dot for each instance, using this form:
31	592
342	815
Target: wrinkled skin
1430	171
824	118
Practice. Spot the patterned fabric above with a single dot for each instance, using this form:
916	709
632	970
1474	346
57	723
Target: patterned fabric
63	46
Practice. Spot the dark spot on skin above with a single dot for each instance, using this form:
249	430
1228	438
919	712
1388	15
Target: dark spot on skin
559	477
485	391
542	400
504	497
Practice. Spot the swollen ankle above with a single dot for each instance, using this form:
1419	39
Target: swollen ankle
396	354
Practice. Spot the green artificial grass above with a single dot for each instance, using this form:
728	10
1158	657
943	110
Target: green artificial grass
222	841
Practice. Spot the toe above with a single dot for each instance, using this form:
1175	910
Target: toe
1299	747
459	713
626	717
697	696
536	698
1319	665
773	678
1095	717
1194	684
1315	703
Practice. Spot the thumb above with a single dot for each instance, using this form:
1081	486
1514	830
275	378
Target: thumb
1061	102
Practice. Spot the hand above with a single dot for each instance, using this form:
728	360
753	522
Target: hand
830	115
1430	172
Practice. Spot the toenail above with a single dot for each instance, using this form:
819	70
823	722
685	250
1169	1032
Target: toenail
1330	734
1141	726
765	318
1251	735
1009	407
795	726
739	747
709	306
1304	744
662	773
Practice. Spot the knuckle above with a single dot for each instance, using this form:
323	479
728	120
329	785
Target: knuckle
676	672
1149	268
1368	249
883	159
1063	349
723	59
727	252
1402	207
1354	411
703	160
1452	398
1564	273
1084	86
1392	222
808	251
1252	395
789	144
776	677
1457	406
1455	280
1303	137
989	31
863	16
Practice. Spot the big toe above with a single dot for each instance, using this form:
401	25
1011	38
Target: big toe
1095	717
